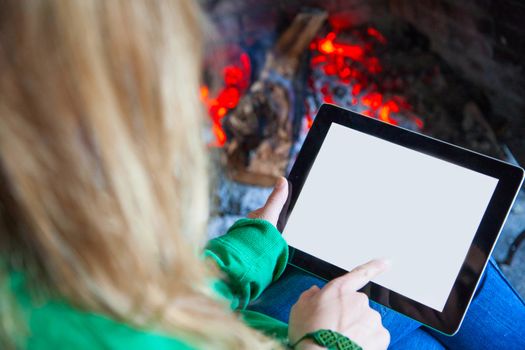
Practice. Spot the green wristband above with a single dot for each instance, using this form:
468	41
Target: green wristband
330	340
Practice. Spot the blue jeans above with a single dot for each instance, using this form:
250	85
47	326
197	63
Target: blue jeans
494	320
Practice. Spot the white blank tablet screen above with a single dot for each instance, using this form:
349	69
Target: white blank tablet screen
368	198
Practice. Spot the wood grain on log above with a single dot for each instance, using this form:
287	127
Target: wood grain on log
260	128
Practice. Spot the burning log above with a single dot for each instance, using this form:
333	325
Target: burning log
260	128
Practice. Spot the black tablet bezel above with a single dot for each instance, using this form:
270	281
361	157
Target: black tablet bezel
510	179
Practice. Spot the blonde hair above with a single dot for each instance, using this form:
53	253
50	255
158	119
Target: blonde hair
103	168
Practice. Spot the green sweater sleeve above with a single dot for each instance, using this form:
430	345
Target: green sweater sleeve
252	254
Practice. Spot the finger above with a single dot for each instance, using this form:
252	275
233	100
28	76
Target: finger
274	204
361	275
380	339
310	292
373	319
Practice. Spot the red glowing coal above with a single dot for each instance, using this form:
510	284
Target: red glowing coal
355	66
236	79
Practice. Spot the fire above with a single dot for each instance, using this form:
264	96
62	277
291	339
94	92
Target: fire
373	32
386	109
309	121
328	46
355	67
373	100
236	79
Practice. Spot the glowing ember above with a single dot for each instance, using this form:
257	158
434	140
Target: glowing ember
373	100
328	46
346	71
236	79
376	34
309	121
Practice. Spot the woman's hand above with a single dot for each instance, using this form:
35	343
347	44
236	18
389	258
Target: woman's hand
339	307
274	204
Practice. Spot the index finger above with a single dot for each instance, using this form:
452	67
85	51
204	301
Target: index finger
362	274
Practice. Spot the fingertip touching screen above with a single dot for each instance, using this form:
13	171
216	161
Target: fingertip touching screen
367	198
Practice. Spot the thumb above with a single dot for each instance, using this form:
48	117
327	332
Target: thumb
274	204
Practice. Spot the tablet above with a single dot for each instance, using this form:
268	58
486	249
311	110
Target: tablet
363	189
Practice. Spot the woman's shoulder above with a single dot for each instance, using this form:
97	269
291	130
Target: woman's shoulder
51	324
56	324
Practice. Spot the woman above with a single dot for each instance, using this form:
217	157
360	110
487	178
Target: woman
104	188
104	195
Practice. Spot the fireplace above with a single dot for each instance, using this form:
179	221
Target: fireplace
451	70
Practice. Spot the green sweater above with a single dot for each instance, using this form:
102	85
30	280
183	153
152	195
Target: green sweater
252	255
